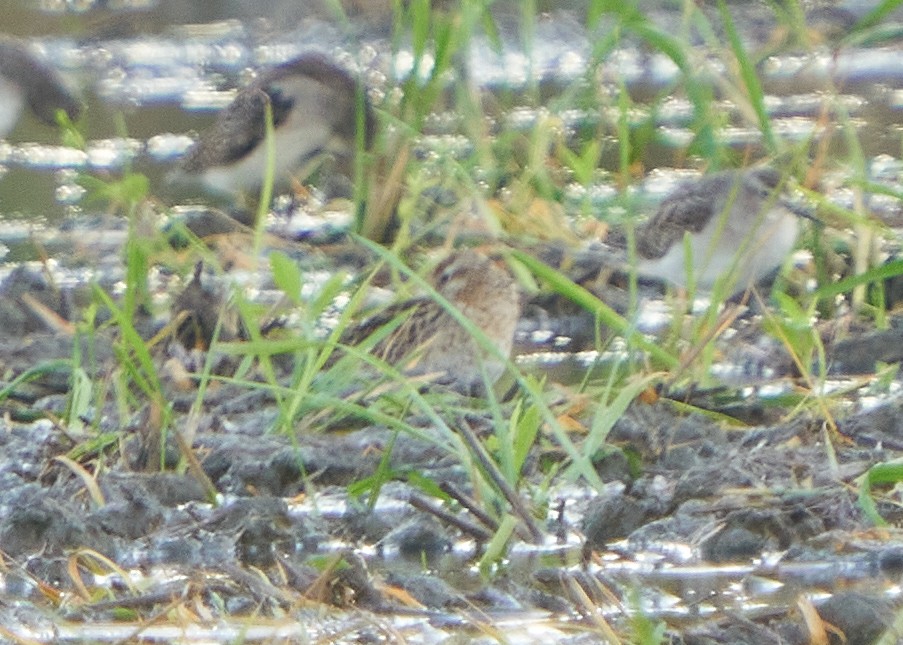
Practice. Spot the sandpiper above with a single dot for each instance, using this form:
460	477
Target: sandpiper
24	79
740	228
315	105
430	341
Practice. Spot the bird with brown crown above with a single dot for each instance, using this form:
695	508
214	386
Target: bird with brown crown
429	340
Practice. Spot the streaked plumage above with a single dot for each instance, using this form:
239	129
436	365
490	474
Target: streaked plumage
430	340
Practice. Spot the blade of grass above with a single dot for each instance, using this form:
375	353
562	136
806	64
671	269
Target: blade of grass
583	465
876	15
608	316
750	78
32	374
705	143
134	353
497	546
875	274
498	479
885	473
269	177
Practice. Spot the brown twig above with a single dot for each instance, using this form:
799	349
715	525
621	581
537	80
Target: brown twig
422	503
467	502
492	471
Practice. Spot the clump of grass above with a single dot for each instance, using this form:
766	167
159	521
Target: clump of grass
318	395
315	395
135	381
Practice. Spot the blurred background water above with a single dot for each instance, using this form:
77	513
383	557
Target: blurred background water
151	73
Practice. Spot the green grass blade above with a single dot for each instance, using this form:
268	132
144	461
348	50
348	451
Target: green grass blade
583	466
875	274
750	78
608	316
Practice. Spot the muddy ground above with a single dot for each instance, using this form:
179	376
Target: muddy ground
725	532
736	511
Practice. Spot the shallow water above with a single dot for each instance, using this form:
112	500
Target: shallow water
163	78
151	73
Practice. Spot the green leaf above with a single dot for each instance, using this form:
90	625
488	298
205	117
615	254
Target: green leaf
497	546
525	433
884	473
887	270
80	394
286	275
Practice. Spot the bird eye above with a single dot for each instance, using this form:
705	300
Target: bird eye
446	275
280	99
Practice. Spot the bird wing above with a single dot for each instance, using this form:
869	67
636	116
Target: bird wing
240	127
43	88
687	210
359	332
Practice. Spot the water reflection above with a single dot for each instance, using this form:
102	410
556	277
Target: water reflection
197	71
148	94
